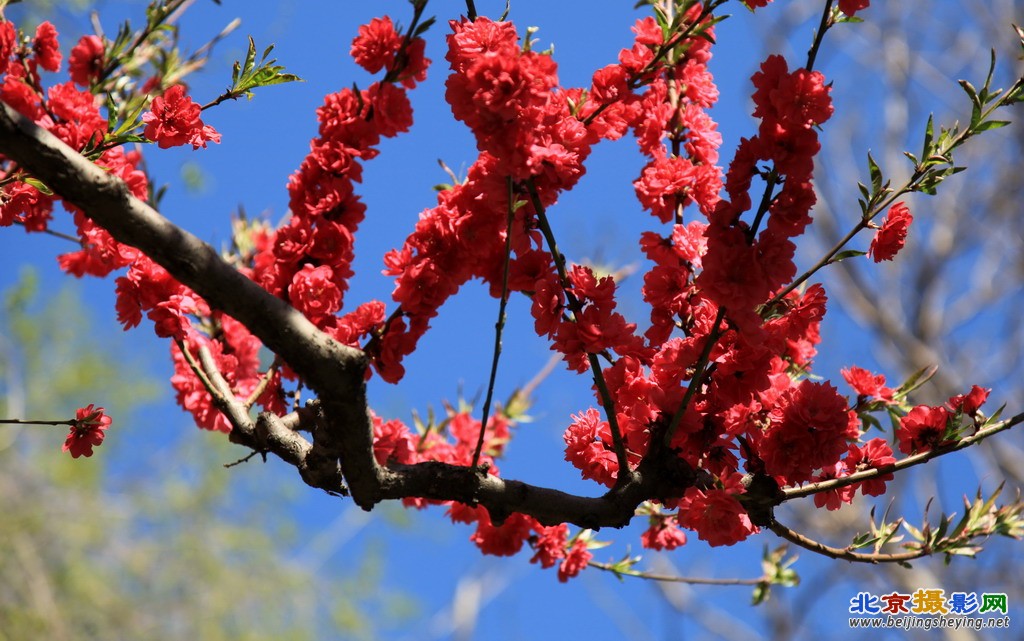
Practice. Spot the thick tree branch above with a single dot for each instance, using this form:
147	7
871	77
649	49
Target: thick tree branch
334	371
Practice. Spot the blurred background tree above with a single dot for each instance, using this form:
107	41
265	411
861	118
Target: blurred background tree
144	543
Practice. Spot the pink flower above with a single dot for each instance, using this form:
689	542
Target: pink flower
549	545
575	561
314	293
46	48
867	384
664	534
376	45
86	61
889	240
173	120
87	431
851	7
716	516
922	429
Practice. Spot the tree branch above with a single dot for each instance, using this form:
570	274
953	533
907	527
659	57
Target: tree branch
902	464
334	371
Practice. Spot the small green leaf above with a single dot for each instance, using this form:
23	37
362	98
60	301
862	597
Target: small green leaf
843	255
991	124
38	184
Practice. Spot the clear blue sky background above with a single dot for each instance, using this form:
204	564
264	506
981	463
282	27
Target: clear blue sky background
265	140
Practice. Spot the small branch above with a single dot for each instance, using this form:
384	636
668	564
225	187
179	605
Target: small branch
244	459
700	371
264	382
845	554
574	304
470	10
498	326
766	202
402	56
902	464
823	26
825	260
197	370
56	234
674	578
18	421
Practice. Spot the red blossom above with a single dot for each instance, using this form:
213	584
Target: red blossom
505	539
587	447
833	499
314	293
173	120
45	46
87	431
392	442
376	45
809	428
851	7
922	429
716	516
8	40
889	239
576	559
873	454
549	545
663	534
970	402
867	384
86	60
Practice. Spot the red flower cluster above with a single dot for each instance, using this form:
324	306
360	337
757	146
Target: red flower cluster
308	261
73	116
87	431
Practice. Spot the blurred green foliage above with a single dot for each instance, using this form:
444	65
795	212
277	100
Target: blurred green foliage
156	540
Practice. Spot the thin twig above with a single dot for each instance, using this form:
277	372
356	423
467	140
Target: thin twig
673	578
700	371
845	554
823	26
264	382
244	459
18	421
197	370
902	464
499	326
912	185
618	442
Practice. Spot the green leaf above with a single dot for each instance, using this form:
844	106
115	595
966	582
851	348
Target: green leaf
875	173
843	255
38	184
991	124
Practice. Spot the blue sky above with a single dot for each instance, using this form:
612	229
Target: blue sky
265	140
